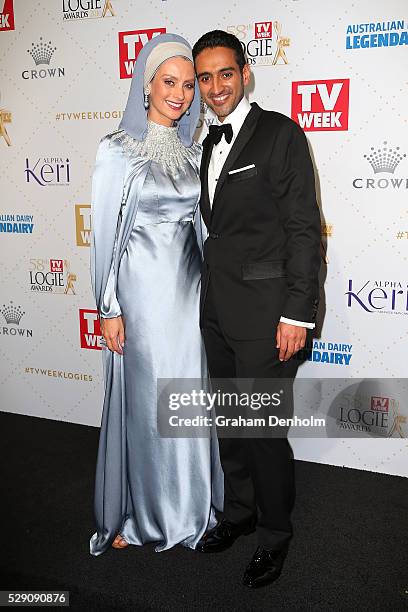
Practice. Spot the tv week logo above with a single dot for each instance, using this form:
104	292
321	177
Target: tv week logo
380	404
263	29
6	15
56	265
90	329
321	105
130	45
83	224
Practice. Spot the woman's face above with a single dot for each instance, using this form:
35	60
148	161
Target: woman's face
171	91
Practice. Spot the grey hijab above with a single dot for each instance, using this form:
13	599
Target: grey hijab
134	120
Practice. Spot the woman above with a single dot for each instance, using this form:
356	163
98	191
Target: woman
145	265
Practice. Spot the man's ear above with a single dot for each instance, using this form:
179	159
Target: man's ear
246	74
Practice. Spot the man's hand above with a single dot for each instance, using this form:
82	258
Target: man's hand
114	333
289	340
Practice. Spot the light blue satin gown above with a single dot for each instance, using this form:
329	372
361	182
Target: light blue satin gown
169	487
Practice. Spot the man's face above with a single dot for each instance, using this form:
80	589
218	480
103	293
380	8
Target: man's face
220	79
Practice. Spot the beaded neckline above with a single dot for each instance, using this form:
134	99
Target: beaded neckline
162	145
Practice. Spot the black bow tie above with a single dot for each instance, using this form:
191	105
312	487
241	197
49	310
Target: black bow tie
215	132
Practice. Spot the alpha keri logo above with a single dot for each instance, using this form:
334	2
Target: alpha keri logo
48	171
130	45
6	15
42	53
383	296
321	105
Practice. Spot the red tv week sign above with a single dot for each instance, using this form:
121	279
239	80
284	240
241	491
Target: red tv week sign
6	15
56	265
130	45
380	404
90	329
263	29
321	105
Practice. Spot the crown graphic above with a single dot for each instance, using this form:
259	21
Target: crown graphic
41	52
327	229
384	159
12	314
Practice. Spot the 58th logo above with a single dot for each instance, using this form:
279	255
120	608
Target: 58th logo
52	276
263	42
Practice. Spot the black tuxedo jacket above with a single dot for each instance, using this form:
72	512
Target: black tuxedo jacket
262	254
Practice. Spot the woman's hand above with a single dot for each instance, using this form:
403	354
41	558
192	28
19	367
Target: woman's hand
114	333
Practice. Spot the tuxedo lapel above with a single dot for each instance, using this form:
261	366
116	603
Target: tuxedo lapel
205	197
245	133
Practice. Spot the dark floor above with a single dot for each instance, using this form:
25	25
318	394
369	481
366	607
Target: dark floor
350	550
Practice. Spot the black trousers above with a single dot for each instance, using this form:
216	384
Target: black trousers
259	479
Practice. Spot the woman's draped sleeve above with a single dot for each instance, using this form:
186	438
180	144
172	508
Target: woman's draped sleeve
110	307
107	196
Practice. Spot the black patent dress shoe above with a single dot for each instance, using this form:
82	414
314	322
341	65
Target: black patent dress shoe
265	567
223	535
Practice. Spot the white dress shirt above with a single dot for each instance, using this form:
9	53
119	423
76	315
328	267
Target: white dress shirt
218	157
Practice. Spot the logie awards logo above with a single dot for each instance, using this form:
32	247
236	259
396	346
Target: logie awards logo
87	9
5	117
377	416
52	276
263	42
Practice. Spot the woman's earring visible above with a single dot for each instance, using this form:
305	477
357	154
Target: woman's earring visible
188	111
146	100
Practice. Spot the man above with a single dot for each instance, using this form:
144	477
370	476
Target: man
259	286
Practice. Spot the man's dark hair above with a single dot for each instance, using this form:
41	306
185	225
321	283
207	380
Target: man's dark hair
219	38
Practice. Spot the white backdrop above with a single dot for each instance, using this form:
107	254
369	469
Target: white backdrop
339	68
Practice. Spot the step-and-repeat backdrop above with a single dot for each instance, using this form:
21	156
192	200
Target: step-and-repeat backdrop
338	69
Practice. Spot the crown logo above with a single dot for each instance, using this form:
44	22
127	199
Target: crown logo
384	159
41	52
327	229
12	314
